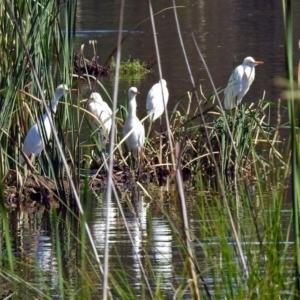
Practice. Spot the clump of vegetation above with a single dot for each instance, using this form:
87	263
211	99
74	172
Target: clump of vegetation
232	245
132	66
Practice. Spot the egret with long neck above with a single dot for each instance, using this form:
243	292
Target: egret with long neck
100	117
34	140
135	140
240	82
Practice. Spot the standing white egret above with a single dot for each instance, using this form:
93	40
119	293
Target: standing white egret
101	120
157	99
34	141
239	82
136	139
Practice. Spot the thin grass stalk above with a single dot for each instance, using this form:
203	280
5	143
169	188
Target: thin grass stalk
7	234
76	135
129	233
84	293
293	109
186	231
71	118
58	253
219	177
75	194
170	138
110	186
111	157
210	147
211	151
18	280
11	77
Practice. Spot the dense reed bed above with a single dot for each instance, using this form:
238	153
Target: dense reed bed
235	245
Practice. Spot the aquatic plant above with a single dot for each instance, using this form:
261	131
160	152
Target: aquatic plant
131	66
232	246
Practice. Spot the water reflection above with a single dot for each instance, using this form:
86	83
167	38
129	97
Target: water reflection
120	245
154	245
136	218
98	225
151	239
161	249
32	245
46	265
99	33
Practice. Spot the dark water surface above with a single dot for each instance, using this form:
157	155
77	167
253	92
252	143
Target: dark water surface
226	31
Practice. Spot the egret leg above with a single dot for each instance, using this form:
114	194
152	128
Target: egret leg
131	162
138	170
235	111
29	160
160	125
150	126
137	165
160	148
100	150
234	114
160	142
135	162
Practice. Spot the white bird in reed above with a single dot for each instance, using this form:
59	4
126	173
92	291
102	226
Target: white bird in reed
101	119
157	100
239	82
136	139
34	140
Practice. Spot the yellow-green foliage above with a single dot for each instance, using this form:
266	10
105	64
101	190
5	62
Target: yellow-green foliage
131	66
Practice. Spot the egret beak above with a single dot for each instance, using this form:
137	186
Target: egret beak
258	63
137	93
73	90
84	100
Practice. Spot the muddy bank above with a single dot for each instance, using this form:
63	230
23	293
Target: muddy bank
35	189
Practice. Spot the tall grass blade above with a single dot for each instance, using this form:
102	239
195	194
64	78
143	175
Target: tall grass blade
170	138
60	150
293	109
111	156
186	231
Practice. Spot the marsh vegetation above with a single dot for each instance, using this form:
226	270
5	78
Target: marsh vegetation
237	244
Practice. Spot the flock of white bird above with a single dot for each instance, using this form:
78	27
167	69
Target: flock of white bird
133	129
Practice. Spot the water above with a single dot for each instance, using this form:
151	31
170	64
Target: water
155	245
226	31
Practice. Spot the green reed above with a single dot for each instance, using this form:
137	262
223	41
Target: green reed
232	162
293	109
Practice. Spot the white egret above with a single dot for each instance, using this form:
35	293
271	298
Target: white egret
101	119
157	99
239	82
34	141
136	139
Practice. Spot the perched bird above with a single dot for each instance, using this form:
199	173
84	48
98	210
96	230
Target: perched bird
136	139
157	99
239	82
101	119
34	140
